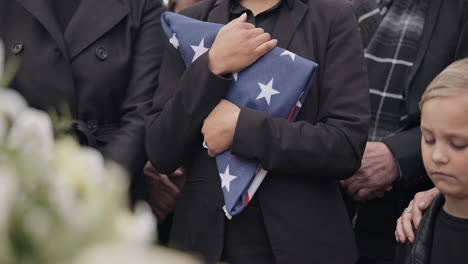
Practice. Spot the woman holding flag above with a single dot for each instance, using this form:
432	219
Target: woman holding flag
297	214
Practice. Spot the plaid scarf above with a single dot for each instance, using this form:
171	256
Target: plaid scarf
391	31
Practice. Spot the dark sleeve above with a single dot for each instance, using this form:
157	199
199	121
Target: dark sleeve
462	47
332	147
127	145
406	146
183	100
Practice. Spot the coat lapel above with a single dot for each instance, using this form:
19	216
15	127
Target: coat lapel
288	21
434	8
43	12
92	19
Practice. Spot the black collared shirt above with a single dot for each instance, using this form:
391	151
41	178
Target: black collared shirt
266	20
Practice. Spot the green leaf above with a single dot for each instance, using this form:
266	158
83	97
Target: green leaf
11	68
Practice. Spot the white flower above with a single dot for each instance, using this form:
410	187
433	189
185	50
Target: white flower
11	103
32	133
145	223
124	253
3	128
63	199
93	163
8	189
139	228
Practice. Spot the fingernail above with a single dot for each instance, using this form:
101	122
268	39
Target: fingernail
422	204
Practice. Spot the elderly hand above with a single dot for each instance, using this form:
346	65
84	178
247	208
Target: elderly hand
377	173
219	127
413	214
162	190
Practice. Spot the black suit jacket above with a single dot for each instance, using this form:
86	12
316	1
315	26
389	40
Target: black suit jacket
303	210
104	66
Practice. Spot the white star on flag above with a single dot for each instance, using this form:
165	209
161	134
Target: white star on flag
267	91
287	52
199	50
174	41
226	178
235	74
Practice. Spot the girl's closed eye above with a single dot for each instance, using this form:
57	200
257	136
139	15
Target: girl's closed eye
458	145
429	141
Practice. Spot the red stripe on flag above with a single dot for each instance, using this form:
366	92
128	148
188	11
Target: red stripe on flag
291	113
247	199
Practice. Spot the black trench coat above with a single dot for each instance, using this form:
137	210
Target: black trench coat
104	67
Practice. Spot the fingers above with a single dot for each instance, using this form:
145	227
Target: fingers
355	186
356	177
363	195
162	191
161	200
177	173
379	194
422	200
406	223
260	39
159	213
425	198
399	233
148	168
246	26
211	153
404	228
415	216
265	47
254	32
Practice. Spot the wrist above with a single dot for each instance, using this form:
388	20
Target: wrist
214	65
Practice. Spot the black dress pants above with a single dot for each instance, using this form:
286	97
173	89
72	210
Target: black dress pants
245	238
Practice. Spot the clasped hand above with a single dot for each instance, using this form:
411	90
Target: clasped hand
376	176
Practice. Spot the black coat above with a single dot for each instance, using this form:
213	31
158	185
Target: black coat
444	40
104	67
419	252
303	211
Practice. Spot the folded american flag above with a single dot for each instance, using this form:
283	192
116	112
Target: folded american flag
277	83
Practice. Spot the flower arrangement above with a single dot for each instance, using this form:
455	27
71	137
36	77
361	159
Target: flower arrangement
61	202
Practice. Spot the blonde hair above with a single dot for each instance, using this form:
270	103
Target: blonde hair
452	81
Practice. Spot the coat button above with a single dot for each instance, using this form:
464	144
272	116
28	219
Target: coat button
17	48
101	53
